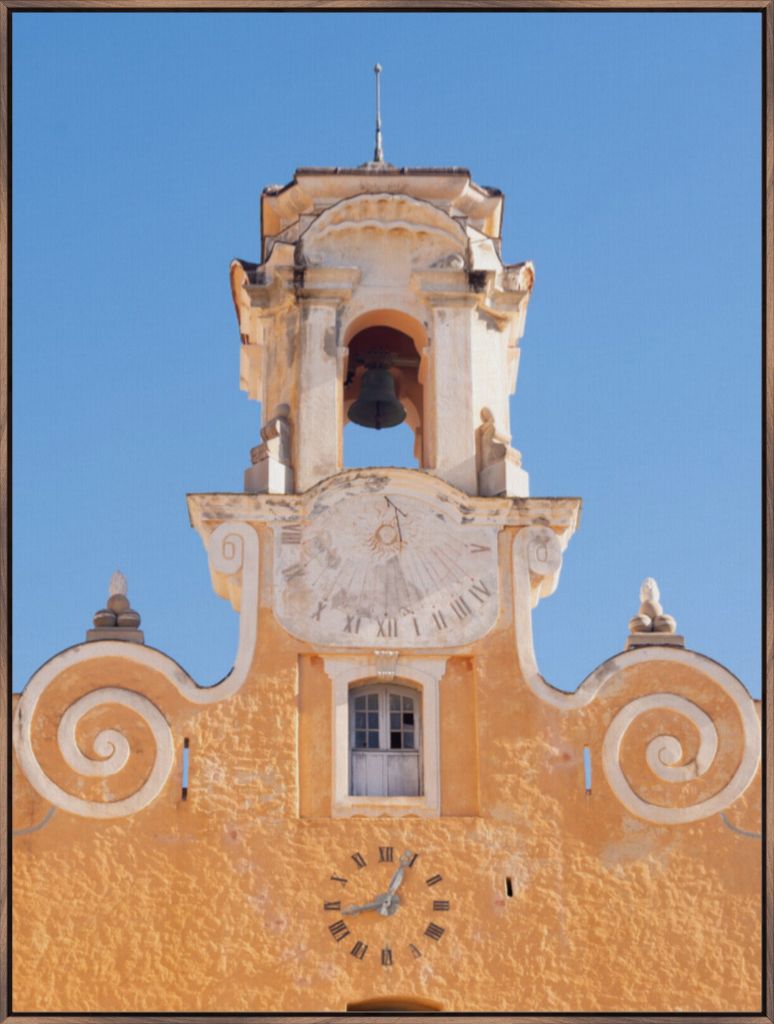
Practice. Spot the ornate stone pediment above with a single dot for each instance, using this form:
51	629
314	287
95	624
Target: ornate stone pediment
387	236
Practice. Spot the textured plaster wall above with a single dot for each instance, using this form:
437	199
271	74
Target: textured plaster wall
216	902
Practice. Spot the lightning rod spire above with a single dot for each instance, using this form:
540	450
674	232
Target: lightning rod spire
378	152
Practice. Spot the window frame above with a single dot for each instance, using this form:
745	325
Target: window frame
384	691
416	672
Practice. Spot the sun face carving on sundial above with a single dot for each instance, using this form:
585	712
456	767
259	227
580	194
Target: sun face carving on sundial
386	569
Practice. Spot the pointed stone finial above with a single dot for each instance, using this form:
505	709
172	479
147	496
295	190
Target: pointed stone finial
117	584
651	625
378	152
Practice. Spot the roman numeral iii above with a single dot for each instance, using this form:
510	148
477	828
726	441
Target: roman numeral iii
359	950
460	607
434	931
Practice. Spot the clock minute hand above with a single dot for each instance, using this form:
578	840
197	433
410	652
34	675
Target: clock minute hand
397	878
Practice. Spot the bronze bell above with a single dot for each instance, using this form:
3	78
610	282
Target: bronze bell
377	406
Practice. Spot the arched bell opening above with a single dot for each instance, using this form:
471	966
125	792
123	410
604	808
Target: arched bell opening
364	448
382	387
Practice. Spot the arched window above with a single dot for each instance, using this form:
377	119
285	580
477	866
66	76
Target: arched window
385	741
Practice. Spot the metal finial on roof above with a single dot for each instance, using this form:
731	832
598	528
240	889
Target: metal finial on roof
378	153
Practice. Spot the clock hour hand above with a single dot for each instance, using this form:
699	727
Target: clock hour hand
397	878
373	905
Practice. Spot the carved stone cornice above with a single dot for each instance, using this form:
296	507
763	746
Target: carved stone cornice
206	511
328	284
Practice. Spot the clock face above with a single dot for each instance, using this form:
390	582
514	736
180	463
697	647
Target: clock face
386	569
387	908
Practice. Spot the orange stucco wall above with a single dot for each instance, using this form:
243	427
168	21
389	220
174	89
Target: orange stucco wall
215	902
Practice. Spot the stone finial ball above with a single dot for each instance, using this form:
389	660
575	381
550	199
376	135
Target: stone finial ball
104	617
129	619
118	603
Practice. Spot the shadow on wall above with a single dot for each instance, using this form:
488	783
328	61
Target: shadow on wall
391	447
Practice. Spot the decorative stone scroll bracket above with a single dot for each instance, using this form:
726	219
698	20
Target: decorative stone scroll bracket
233	554
537	558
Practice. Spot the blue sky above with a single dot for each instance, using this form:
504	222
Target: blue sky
628	147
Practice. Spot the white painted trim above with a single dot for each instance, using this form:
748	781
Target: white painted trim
535	575
611	761
162	764
233	553
426	673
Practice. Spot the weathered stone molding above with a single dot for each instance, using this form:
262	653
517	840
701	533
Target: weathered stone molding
537	557
233	557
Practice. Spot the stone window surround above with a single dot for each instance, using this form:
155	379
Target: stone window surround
422	673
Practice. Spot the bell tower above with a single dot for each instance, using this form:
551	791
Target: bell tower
383	794
382	293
